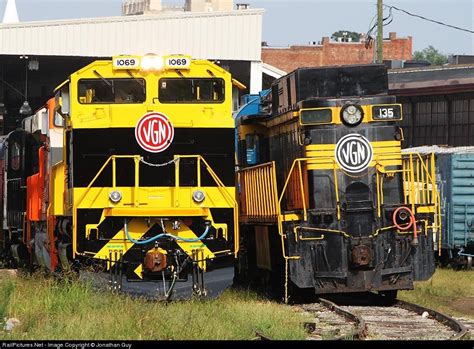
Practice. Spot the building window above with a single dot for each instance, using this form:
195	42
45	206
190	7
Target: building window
183	90
111	91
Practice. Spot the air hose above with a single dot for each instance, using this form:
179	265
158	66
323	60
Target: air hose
411	223
144	242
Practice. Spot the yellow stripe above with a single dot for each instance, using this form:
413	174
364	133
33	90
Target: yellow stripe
319	147
155	212
136	229
326	166
386	153
324	155
426	209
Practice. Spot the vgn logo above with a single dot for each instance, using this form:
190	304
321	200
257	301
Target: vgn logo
154	132
354	153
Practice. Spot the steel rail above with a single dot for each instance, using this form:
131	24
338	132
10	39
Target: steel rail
360	328
373	299
455	325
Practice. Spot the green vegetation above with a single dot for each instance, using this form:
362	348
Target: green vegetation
67	309
51	309
448	291
431	55
345	35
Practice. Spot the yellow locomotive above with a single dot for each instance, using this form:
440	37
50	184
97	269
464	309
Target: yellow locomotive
146	179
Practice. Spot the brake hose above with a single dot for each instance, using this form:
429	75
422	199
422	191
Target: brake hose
144	242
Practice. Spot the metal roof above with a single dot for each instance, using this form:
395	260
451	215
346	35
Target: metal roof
436	149
234	35
273	71
431	80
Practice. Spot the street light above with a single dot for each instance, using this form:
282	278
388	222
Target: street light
25	109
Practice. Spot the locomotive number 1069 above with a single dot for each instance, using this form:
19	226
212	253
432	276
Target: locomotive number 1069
126	63
177	62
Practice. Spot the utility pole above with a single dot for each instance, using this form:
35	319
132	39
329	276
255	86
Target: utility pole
379	31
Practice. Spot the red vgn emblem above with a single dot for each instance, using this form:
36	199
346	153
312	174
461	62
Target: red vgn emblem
154	132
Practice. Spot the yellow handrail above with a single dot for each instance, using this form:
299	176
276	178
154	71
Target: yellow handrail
137	158
259	202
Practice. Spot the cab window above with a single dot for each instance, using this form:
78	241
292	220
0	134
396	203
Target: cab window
184	90
111	91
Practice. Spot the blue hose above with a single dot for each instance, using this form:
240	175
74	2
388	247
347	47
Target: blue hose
144	242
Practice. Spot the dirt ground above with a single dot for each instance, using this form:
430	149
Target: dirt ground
463	305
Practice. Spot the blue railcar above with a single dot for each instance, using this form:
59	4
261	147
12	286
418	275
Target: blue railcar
456	186
455	179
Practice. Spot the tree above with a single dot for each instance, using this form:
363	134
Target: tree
346	36
431	55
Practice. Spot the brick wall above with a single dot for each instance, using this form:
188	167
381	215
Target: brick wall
335	53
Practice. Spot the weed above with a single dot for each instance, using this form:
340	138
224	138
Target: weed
68	309
442	290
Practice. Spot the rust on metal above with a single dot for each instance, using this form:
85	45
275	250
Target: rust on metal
361	255
155	260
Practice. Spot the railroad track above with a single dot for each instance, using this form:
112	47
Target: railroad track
469	323
380	319
374	317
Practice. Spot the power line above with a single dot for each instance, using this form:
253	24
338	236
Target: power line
370	32
429	20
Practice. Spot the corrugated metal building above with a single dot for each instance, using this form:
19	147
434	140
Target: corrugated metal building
438	104
234	35
232	39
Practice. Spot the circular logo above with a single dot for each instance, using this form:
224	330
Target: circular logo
154	132
354	153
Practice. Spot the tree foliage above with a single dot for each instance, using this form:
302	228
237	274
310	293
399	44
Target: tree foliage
345	34
431	55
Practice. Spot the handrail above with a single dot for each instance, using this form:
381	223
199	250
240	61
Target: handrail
259	193
223	189
408	175
75	206
137	159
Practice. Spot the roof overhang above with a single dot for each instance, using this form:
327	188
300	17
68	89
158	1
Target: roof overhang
234	35
432	80
272	71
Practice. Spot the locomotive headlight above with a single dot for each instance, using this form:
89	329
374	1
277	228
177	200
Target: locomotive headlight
152	63
352	115
199	196
115	196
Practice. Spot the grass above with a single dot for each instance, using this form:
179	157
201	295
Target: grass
445	291
51	310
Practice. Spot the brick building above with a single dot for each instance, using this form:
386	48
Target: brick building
335	53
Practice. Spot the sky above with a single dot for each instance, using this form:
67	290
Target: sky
287	22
